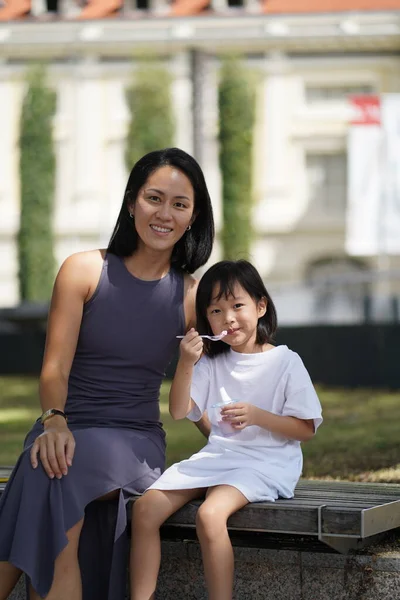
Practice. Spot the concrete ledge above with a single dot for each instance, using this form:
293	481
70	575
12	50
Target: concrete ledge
265	574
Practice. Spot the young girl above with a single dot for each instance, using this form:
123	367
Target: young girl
261	404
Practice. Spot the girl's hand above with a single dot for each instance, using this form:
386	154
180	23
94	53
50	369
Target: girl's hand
240	414
56	447
191	347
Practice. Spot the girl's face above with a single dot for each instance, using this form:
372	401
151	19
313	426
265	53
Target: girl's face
163	210
239	315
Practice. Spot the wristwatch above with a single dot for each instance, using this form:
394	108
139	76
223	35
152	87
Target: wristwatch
52	412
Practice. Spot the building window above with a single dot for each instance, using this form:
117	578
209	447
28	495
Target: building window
334	93
327	182
340	289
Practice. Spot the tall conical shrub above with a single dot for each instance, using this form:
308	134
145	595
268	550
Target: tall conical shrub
37	176
236	99
152	124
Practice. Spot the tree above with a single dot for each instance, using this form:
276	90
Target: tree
152	124
37	175
236	99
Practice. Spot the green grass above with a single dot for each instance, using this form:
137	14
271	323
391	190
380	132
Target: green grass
19	408
358	440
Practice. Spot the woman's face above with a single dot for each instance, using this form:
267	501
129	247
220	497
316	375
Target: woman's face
164	208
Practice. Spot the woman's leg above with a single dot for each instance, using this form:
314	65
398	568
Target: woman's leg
9	576
67	577
216	548
148	514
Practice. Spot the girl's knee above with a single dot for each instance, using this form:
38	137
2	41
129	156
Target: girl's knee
210	524
146	512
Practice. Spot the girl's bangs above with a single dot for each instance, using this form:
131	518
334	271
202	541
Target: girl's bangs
226	285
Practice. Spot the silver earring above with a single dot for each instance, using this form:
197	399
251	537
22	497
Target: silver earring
188	228
131	215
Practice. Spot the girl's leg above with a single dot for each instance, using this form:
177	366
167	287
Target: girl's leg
148	514
216	548
9	576
67	577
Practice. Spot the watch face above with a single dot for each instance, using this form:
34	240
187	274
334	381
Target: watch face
47	414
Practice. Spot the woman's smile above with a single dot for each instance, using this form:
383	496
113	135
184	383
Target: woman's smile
160	230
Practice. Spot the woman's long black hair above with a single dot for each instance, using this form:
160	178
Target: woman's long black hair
194	248
223	276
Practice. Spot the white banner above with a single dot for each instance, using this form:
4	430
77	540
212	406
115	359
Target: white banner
373	198
390	204
365	162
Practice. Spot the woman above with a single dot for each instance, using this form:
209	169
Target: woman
112	329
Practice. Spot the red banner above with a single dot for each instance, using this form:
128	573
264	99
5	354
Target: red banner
366	110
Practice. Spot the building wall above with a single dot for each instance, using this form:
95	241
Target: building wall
296	227
302	111
90	127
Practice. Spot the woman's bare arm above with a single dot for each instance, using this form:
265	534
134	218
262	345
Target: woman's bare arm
74	285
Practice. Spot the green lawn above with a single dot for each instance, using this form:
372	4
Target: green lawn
359	439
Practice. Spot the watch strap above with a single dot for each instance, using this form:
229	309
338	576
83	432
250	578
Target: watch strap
52	412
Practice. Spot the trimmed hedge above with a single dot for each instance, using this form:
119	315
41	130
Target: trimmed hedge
37	175
236	101
152	124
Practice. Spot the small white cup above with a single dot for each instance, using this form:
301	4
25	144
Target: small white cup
225	426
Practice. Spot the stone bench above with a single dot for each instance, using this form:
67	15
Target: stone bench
326	543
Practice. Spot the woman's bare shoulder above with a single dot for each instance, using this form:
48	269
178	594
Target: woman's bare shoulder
82	270
86	259
191	284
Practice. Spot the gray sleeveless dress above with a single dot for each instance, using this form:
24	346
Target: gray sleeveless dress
127	338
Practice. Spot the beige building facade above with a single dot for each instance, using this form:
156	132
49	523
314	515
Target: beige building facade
307	65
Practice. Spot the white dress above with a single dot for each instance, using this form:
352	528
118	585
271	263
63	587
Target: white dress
260	464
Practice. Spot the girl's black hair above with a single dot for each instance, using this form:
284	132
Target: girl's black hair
223	276
194	248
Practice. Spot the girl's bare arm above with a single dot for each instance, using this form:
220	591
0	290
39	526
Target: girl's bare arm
243	414
191	284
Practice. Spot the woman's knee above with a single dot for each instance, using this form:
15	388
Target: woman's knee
210	524
75	530
65	561
73	537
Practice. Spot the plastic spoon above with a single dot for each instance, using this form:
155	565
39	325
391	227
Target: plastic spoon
213	338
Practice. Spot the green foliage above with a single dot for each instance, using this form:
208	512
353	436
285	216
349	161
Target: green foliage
37	175
236	100
358	441
152	124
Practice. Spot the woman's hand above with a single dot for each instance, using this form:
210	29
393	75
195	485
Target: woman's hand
240	414
55	446
191	347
